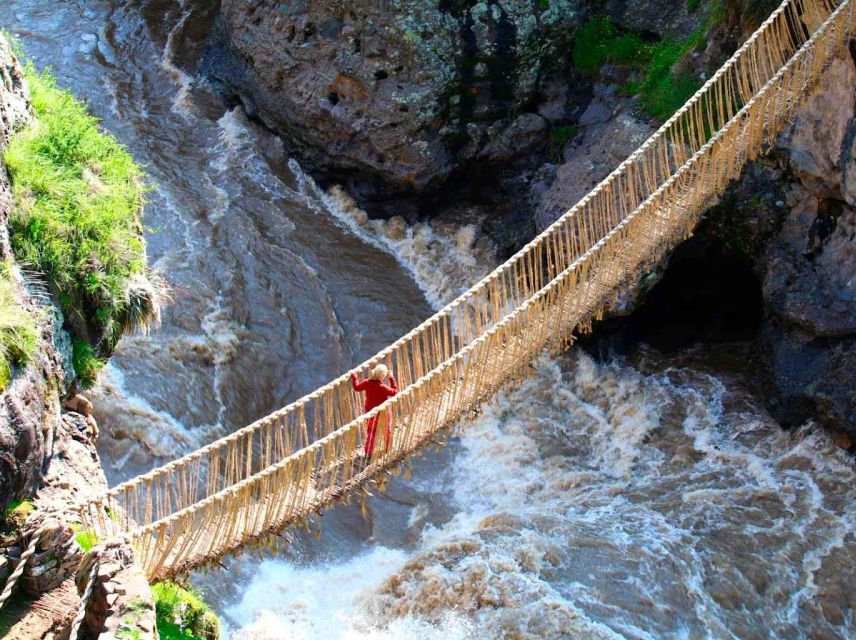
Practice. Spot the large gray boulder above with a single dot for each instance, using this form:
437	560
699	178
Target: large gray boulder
400	93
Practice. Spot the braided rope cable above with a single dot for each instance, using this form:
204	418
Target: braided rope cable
84	602
22	563
464	297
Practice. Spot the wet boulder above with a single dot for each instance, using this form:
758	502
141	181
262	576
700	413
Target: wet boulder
399	95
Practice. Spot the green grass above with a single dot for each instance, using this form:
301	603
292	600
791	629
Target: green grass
86	363
182	613
78	201
18	330
86	539
599	41
17	512
663	90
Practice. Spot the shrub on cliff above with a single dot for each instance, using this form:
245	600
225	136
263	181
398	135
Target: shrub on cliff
78	201
182	614
663	87
18	333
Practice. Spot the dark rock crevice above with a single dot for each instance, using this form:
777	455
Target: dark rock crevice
707	295
773	266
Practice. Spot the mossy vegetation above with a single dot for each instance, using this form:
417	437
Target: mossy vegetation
16	514
86	363
182	614
78	201
664	90
662	86
18	330
85	538
599	41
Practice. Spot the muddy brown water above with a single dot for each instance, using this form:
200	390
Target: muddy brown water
643	499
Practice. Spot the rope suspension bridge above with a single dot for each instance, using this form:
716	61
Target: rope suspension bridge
289	465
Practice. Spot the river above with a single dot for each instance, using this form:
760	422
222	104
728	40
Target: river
648	497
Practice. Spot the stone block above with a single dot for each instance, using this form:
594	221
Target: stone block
29	585
42	569
108	570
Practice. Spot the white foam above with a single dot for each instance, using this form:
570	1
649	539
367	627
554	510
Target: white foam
131	417
288	602
235	140
237	153
444	262
183	101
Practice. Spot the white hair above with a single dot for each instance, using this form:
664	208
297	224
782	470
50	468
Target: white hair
379	372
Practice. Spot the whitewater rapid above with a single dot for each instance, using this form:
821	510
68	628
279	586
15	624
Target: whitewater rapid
633	499
599	501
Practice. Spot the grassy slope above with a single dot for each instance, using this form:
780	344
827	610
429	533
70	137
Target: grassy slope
663	91
183	614
18	330
78	200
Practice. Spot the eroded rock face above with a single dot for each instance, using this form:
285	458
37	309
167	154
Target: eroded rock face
14	113
25	408
663	17
809	339
612	129
816	141
402	93
790	217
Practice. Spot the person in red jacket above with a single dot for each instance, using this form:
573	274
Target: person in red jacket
376	393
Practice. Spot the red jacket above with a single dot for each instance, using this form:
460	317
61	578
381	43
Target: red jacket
376	391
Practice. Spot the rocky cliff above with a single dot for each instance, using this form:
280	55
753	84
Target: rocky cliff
30	408
48	456
399	93
395	98
773	264
793	218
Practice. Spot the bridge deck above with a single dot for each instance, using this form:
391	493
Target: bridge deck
272	473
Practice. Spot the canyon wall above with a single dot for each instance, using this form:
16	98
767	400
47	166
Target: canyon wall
47	453
793	217
393	98
30	408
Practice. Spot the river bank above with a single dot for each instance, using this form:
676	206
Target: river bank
270	273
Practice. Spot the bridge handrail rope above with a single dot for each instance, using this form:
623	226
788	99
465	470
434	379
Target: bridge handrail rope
273	472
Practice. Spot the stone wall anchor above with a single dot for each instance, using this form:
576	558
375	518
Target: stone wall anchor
22	563
84	601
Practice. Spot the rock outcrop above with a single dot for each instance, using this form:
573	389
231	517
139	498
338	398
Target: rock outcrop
611	128
73	473
400	94
809	264
47	445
